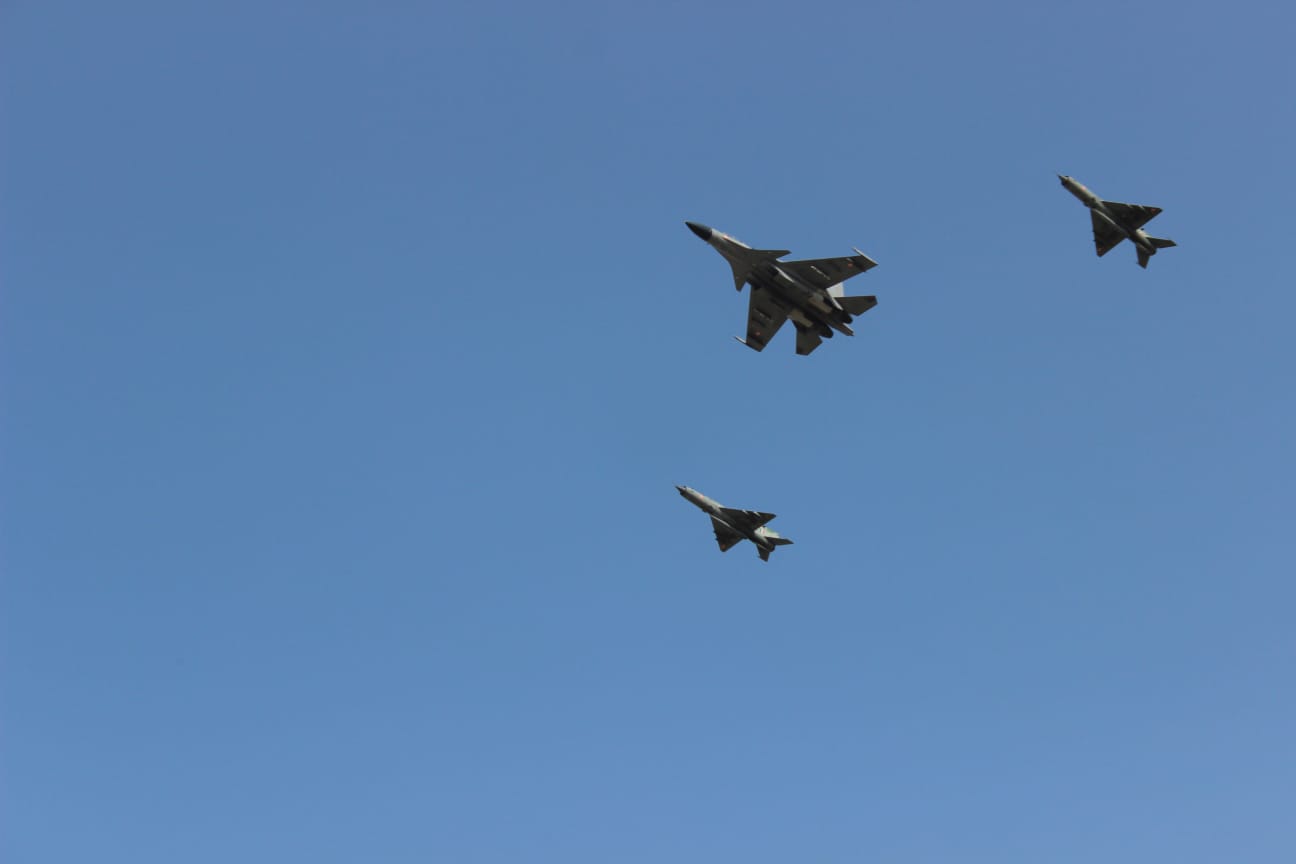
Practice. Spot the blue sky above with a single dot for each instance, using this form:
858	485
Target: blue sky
349	356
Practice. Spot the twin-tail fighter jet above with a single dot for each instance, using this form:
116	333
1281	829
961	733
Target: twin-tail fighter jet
809	292
732	526
1114	222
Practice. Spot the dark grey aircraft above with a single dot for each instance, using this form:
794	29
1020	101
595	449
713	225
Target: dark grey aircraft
808	292
732	526
1114	222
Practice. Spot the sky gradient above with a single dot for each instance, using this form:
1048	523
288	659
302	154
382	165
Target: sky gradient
349	357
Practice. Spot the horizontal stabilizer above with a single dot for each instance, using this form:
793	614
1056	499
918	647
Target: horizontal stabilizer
775	541
1161	242
857	305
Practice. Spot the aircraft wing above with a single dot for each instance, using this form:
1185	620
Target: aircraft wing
826	272
725	535
1132	216
750	518
1106	236
764	318
807	340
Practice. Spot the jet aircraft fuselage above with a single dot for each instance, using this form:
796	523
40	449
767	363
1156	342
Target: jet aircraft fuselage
807	292
1114	221
809	305
734	525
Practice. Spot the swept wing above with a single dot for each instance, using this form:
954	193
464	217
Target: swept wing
1132	216
748	518
764	318
725	535
826	272
1106	235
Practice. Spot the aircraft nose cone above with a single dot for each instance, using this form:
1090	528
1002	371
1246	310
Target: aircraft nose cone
700	230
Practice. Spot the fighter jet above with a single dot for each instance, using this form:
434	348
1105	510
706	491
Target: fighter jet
808	292
732	526
1114	222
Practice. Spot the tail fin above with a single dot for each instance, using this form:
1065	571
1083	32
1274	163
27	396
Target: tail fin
1161	242
1143	257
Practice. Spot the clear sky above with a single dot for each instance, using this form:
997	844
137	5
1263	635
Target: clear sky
349	354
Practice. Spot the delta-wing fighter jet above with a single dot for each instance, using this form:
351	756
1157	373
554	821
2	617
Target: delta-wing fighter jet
1114	222
809	292
732	526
